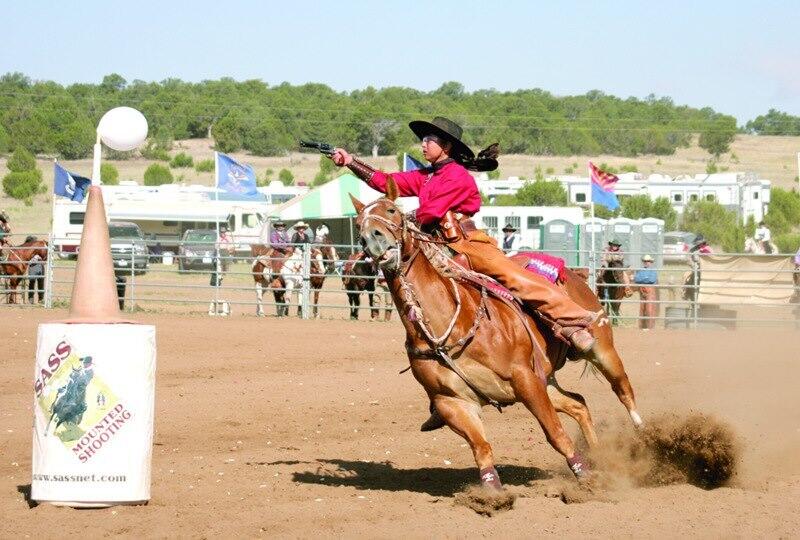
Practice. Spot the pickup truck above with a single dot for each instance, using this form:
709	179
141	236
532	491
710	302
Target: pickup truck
128	248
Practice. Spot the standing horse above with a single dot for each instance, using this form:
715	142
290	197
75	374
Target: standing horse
468	347
267	270
759	247
359	275
612	289
15	265
323	262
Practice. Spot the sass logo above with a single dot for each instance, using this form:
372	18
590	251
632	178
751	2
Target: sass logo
236	175
78	406
70	186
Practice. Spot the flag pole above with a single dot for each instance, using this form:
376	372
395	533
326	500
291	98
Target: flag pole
217	262
592	260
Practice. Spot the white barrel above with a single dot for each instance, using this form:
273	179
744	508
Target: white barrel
168	257
94	391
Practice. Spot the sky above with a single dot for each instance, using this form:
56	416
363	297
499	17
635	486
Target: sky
739	58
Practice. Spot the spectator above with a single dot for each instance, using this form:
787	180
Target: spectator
321	233
510	239
301	236
225	247
35	278
645	279
122	282
763	233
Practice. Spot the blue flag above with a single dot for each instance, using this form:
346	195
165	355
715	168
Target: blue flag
411	164
234	177
69	185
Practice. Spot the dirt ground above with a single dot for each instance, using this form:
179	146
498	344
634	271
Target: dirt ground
289	428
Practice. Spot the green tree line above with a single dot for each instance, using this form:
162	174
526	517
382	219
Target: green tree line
774	123
47	118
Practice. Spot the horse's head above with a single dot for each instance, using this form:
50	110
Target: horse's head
37	247
383	229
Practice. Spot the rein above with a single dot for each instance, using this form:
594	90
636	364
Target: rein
439	349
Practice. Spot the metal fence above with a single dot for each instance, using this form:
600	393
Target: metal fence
212	281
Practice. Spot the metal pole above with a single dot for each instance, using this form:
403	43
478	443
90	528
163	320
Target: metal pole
798	171
132	294
98	152
306	287
592	257
48	275
217	265
352	241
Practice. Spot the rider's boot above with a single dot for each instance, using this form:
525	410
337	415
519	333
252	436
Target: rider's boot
578	335
434	422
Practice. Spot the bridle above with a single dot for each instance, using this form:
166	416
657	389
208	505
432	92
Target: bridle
439	349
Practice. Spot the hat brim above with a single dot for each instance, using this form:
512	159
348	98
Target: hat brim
421	129
508	229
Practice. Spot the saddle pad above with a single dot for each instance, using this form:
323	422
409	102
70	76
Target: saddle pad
548	266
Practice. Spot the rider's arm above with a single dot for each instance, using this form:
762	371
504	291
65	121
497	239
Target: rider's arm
408	183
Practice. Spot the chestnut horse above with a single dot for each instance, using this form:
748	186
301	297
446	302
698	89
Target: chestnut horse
360	275
15	265
467	347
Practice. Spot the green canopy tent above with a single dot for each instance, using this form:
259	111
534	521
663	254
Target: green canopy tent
330	204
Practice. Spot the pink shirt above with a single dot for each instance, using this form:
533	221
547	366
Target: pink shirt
450	187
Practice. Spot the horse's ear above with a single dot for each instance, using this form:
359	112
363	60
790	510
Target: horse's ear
391	189
358	205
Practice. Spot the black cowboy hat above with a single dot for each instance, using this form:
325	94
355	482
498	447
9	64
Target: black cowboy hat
446	130
509	227
278	222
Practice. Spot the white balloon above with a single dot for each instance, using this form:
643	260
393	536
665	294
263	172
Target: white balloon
122	128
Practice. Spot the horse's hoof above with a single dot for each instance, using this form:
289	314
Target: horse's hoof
490	479
579	467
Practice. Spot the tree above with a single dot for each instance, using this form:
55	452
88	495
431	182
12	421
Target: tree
205	165
718	224
228	133
717	139
24	180
326	170
5	140
156	175
775	123
662	209
286	177
636	206
181	160
21	160
113	82
542	193
109	175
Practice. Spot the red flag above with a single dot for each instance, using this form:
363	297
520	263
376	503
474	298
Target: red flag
604	180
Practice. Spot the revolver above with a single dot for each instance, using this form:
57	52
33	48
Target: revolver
324	148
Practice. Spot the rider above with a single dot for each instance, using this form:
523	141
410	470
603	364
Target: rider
448	197
5	228
764	236
279	238
614	253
